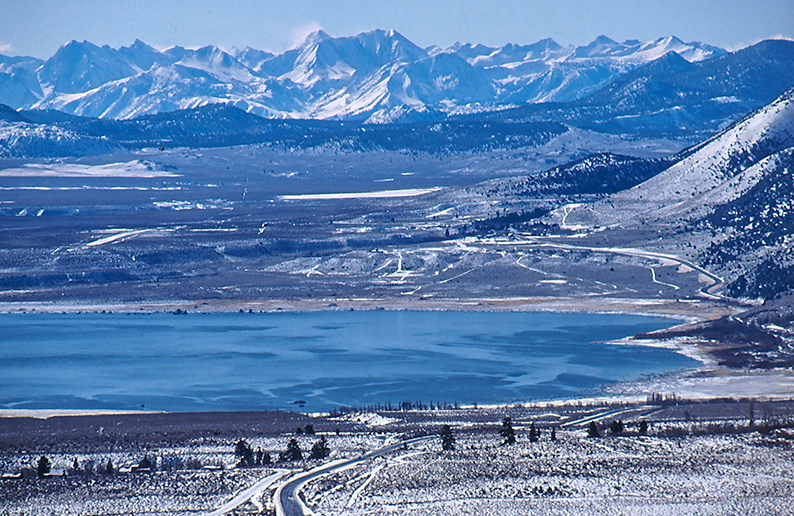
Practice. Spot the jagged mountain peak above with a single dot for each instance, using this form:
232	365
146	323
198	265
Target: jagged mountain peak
139	45
391	44
548	43
602	46
604	40
81	66
144	56
607	48
313	38
253	58
323	75
216	61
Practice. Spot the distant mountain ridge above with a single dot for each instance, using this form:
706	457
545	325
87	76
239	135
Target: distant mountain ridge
671	96
668	97
379	76
53	133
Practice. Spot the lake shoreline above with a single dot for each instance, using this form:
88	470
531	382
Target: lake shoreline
690	310
332	359
706	380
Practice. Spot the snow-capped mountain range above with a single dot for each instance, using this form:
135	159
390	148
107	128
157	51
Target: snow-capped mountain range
377	76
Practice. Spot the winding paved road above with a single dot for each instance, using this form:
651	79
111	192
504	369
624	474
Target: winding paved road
247	494
644	411
287	498
708	290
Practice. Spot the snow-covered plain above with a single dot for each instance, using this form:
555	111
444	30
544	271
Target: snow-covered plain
695	459
380	194
573	475
132	169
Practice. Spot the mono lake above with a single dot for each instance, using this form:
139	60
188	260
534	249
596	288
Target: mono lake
235	361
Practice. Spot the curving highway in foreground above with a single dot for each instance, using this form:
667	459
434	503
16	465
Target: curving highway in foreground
287	499
249	493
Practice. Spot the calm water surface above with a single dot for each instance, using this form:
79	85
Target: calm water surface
202	362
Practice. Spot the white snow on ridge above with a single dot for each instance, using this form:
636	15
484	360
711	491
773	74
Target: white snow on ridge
716	172
371	74
709	166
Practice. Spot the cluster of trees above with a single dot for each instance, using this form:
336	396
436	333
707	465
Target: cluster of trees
657	398
248	457
401	406
319	450
508	433
616	427
44	467
245	454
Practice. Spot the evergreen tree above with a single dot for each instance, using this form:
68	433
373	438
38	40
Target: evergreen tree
109	469
447	439
265	458
533	434
293	451
43	466
616	427
592	430
320	449
243	451
751	412
309	429
507	432
643	427
553	434
76	465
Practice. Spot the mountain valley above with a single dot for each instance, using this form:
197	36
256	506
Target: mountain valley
661	184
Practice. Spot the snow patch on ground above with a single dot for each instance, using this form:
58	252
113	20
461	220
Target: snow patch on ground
367	418
143	169
382	194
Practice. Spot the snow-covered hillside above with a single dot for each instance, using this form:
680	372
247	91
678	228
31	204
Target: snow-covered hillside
712	173
23	139
378	75
729	202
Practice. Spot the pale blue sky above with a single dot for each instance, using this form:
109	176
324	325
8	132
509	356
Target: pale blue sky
39	27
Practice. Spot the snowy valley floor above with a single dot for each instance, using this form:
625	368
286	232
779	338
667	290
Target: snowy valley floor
698	457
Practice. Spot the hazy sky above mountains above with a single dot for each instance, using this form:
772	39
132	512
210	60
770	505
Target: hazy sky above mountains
39	27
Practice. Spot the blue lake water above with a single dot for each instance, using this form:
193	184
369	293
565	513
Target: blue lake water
202	362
